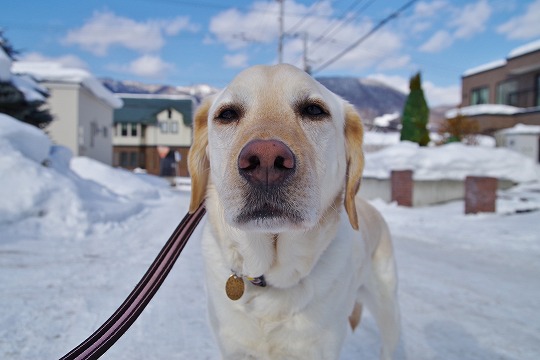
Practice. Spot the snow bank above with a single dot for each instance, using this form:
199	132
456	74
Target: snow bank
119	181
452	161
38	187
26	139
55	72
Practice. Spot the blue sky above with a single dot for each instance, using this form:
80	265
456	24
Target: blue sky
189	42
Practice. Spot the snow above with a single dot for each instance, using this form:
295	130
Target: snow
386	119
525	49
484	67
31	90
56	72
72	248
483	109
521	129
453	161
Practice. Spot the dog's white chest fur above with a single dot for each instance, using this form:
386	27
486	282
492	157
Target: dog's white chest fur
304	319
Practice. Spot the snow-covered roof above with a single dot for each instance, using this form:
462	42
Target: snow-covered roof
521	129
521	50
384	120
485	67
525	49
56	72
483	109
5	66
155	96
31	90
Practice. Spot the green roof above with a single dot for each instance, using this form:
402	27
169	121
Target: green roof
144	109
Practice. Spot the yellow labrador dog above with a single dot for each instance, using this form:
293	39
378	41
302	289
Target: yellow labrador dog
291	253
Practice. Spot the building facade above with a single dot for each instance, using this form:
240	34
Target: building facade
81	106
513	84
154	133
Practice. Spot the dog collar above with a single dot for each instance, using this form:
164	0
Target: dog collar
234	287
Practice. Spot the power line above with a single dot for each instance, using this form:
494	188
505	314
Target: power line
338	26
304	18
379	25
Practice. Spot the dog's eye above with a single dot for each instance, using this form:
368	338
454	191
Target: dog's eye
313	110
228	115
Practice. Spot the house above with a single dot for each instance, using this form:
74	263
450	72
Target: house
524	139
153	132
81	106
503	93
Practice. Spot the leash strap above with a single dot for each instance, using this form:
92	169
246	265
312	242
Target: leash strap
105	337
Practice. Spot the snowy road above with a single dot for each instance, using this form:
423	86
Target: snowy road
469	287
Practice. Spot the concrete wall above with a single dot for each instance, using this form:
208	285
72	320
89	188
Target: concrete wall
425	192
526	144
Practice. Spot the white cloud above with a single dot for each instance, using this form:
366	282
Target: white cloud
462	23
146	66
435	95
524	26
437	42
236	29
70	61
235	61
105	29
471	19
429	9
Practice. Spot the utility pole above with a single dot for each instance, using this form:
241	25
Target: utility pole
281	31
307	67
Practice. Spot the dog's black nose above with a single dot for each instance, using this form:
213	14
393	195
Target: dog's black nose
266	162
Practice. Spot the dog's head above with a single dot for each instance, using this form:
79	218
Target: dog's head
280	149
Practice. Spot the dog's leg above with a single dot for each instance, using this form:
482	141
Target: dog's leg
381	297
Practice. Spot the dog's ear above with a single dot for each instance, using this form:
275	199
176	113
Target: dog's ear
198	162
354	136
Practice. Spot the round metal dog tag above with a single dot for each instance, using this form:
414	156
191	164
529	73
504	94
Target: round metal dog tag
234	288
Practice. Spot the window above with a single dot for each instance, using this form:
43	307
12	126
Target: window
164	127
105	131
133	129
480	96
133	159
124	130
169	113
174	127
507	93
124	159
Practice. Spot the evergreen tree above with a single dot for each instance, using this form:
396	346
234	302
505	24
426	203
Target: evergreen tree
13	101
415	114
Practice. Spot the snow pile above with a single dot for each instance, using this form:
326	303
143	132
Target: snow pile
118	181
452	161
56	72
38	187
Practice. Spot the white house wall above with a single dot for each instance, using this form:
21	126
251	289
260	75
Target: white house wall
155	136
63	103
95	127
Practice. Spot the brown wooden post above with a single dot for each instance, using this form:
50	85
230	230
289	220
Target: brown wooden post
402	187
480	194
